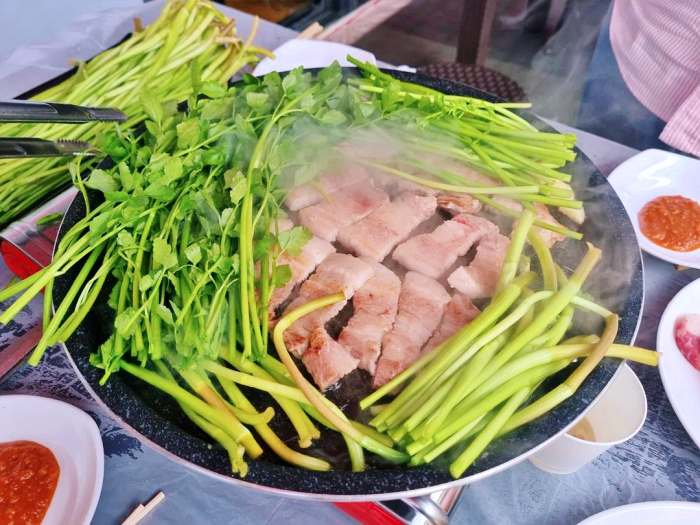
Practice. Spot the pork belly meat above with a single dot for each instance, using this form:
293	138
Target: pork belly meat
548	236
455	203
342	208
338	272
478	280
327	360
459	312
433	253
375	306
308	194
421	305
542	213
301	266
377	234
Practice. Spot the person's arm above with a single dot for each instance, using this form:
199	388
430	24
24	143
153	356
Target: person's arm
682	131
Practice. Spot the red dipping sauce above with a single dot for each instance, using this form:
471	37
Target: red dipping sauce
672	222
28	478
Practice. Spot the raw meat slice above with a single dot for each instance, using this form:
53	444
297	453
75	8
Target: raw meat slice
433	253
326	360
479	279
307	194
458	203
375	307
421	303
341	209
377	234
686	331
301	266
338	272
458	312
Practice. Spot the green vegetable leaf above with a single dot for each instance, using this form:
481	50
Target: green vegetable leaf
226	214
116	196
281	276
126	178
161	191
125	239
188	133
165	314
218	109
113	145
212	89
163	256
102	181
99	224
193	253
293	241
152	106
172	168
334	118
146	282
256	100
125	323
262	246
238	191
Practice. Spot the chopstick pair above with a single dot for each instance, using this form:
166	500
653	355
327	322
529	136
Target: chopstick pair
41	112
141	511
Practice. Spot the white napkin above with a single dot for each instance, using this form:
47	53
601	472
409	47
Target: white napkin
310	54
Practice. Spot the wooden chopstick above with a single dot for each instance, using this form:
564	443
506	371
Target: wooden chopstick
142	511
311	31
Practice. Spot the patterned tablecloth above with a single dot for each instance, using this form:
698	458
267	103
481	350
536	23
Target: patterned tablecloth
660	463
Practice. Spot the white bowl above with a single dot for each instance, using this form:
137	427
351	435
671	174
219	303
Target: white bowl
615	417
650	174
74	439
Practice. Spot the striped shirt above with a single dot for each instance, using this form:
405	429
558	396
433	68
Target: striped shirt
657	47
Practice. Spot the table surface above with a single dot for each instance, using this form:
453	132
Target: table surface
659	463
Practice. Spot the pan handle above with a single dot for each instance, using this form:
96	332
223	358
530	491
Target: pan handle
425	505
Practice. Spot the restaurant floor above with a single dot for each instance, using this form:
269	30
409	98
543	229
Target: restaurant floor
551	70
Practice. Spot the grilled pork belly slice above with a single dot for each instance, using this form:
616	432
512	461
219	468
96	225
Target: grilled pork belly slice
308	194
421	304
338	272
433	253
341	209
548	236
455	203
377	234
478	280
458	312
301	266
375	306
327	360
542	213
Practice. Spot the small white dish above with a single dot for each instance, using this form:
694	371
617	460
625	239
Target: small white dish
74	439
649	513
681	380
616	416
650	174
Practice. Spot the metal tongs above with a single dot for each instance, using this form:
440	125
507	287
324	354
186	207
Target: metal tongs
41	112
